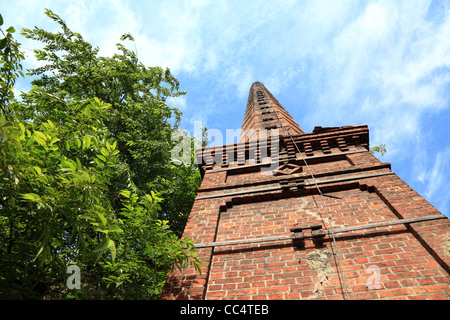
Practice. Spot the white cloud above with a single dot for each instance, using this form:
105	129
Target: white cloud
386	67
435	180
177	102
384	63
434	177
241	79
278	81
378	63
75	16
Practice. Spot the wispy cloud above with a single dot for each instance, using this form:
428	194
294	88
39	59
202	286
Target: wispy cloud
381	53
380	62
380	69
435	179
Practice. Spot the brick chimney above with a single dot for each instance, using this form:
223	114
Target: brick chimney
329	221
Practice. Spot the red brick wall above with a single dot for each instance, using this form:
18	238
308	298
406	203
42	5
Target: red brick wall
235	201
280	270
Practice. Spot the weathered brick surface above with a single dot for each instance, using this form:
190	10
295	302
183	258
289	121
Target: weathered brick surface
236	201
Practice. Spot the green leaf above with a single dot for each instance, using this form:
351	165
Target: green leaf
112	248
40	141
44	245
3	43
31	197
38	170
102	218
104	151
1	20
22	127
104	245
125	193
4	136
102	230
40	135
69	164
97	100
101	157
99	163
114	228
50	124
11	30
86	142
78	164
149	198
109	146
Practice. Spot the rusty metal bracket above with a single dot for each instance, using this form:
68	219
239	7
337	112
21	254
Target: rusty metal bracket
315	231
313	227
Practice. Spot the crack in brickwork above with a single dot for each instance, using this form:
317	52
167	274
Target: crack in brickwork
319	261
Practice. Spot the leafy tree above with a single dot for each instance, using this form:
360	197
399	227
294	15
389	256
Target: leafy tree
83	160
139	118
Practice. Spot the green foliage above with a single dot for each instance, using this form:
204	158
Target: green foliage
85	176
139	119
381	149
10	69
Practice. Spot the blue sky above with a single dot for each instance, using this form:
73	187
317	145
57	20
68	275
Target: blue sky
329	63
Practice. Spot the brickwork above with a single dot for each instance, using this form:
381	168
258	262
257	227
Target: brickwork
237	202
264	112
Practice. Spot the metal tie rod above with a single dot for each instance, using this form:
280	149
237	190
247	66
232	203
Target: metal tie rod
322	232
